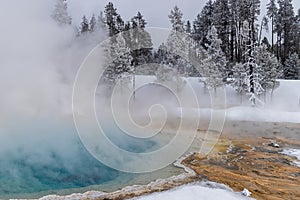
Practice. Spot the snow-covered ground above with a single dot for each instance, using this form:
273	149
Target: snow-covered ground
294	153
283	107
201	190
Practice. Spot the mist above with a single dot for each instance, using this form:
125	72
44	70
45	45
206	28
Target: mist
39	146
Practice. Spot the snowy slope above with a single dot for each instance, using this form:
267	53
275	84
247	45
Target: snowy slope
203	190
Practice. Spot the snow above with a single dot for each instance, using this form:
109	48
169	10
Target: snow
293	153
284	107
201	190
186	169
243	113
246	193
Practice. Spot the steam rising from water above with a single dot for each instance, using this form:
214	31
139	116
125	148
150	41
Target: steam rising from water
39	147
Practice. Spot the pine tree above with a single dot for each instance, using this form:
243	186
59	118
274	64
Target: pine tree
188	27
233	21
93	24
264	26
221	22
240	79
254	76
60	13
214	50
84	26
178	43
141	41
285	25
203	23
215	63
101	22
111	19
297	34
118	57
120	24
270	68
141	44
176	20
272	11
292	67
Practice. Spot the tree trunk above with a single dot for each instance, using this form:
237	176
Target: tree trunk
251	46
273	35
133	83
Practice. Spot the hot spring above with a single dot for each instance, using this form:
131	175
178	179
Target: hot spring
46	156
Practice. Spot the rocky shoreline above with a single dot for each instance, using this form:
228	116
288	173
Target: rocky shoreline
256	164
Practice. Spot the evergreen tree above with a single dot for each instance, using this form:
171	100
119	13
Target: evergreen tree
214	50
93	24
84	26
221	22
264	26
297	34
272	11
233	21
215	63
240	79
188	27
111	16
120	25
176	20
203	23
178	44
141	44
270	68
292	67
141	41
101	22
119	58
285	25
60	13
253	75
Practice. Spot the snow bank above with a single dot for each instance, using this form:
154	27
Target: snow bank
283	107
261	114
294	153
201	190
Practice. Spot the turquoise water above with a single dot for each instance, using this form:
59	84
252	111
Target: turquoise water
46	157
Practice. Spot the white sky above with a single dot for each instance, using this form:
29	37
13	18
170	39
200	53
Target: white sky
155	11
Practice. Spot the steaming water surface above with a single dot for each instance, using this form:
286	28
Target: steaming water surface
41	157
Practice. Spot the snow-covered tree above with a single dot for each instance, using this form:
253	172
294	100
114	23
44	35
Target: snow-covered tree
214	50
214	78
214	64
250	63
203	22
118	57
111	19
84	26
188	27
101	22
166	75
240	79
141	40
60	13
141	44
292	67
178	44
93	24
176	19
270	68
